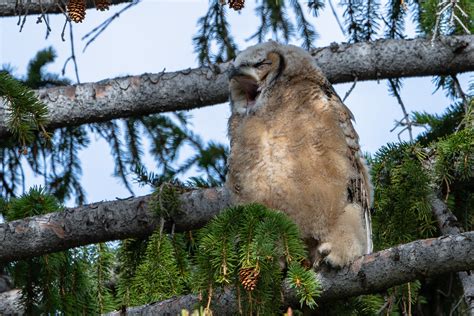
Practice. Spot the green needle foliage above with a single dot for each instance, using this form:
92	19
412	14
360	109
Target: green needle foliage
214	30
103	259
54	282
303	281
36	77
401	199
258	240
26	114
158	276
447	26
130	254
441	162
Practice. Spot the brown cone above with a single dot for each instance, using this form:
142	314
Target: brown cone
102	5
76	10
249	278
236	4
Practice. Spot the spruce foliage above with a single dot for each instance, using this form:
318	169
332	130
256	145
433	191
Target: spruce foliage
275	19
54	282
26	114
441	162
403	212
259	240
157	277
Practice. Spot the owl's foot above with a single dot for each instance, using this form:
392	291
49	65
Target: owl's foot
323	251
334	258
346	240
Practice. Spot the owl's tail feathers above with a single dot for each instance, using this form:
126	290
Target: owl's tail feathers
368	231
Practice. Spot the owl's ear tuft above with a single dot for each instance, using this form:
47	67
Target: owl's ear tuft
278	66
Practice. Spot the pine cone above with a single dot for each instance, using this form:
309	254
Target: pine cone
76	10
236	4
248	277
102	5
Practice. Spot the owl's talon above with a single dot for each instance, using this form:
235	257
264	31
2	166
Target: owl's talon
325	249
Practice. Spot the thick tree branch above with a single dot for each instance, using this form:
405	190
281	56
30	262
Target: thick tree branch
31	7
369	274
447	223
103	221
193	88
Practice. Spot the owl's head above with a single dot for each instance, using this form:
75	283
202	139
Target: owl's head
259	68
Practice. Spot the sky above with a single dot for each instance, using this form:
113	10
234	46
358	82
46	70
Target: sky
156	35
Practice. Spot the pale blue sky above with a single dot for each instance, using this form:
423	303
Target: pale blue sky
155	35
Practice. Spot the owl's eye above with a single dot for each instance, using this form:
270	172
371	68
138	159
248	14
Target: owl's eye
262	63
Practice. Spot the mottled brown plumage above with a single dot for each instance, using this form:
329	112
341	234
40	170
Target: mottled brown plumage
293	148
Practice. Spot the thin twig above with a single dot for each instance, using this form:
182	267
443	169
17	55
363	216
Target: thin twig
460	93
73	55
449	6
44	17
408	123
337	18
64	30
101	27
24	18
350	89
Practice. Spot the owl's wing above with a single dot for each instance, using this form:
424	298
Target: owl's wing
359	189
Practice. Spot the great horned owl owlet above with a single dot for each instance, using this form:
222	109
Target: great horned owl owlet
293	148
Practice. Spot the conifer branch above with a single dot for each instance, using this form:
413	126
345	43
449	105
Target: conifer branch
194	88
447	223
41	7
104	221
368	274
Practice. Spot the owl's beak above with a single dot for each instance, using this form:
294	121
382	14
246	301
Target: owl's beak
246	81
233	72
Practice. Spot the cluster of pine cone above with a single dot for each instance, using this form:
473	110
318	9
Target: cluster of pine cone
76	9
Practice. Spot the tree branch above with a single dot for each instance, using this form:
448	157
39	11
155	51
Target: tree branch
368	274
103	221
194	88
31	7
447	223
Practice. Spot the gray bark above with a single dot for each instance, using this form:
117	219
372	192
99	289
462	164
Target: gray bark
10	303
368	274
448	224
194	88
29	7
103	221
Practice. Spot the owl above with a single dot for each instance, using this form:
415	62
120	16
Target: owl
294	149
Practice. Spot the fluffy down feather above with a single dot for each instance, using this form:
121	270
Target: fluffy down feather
294	148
